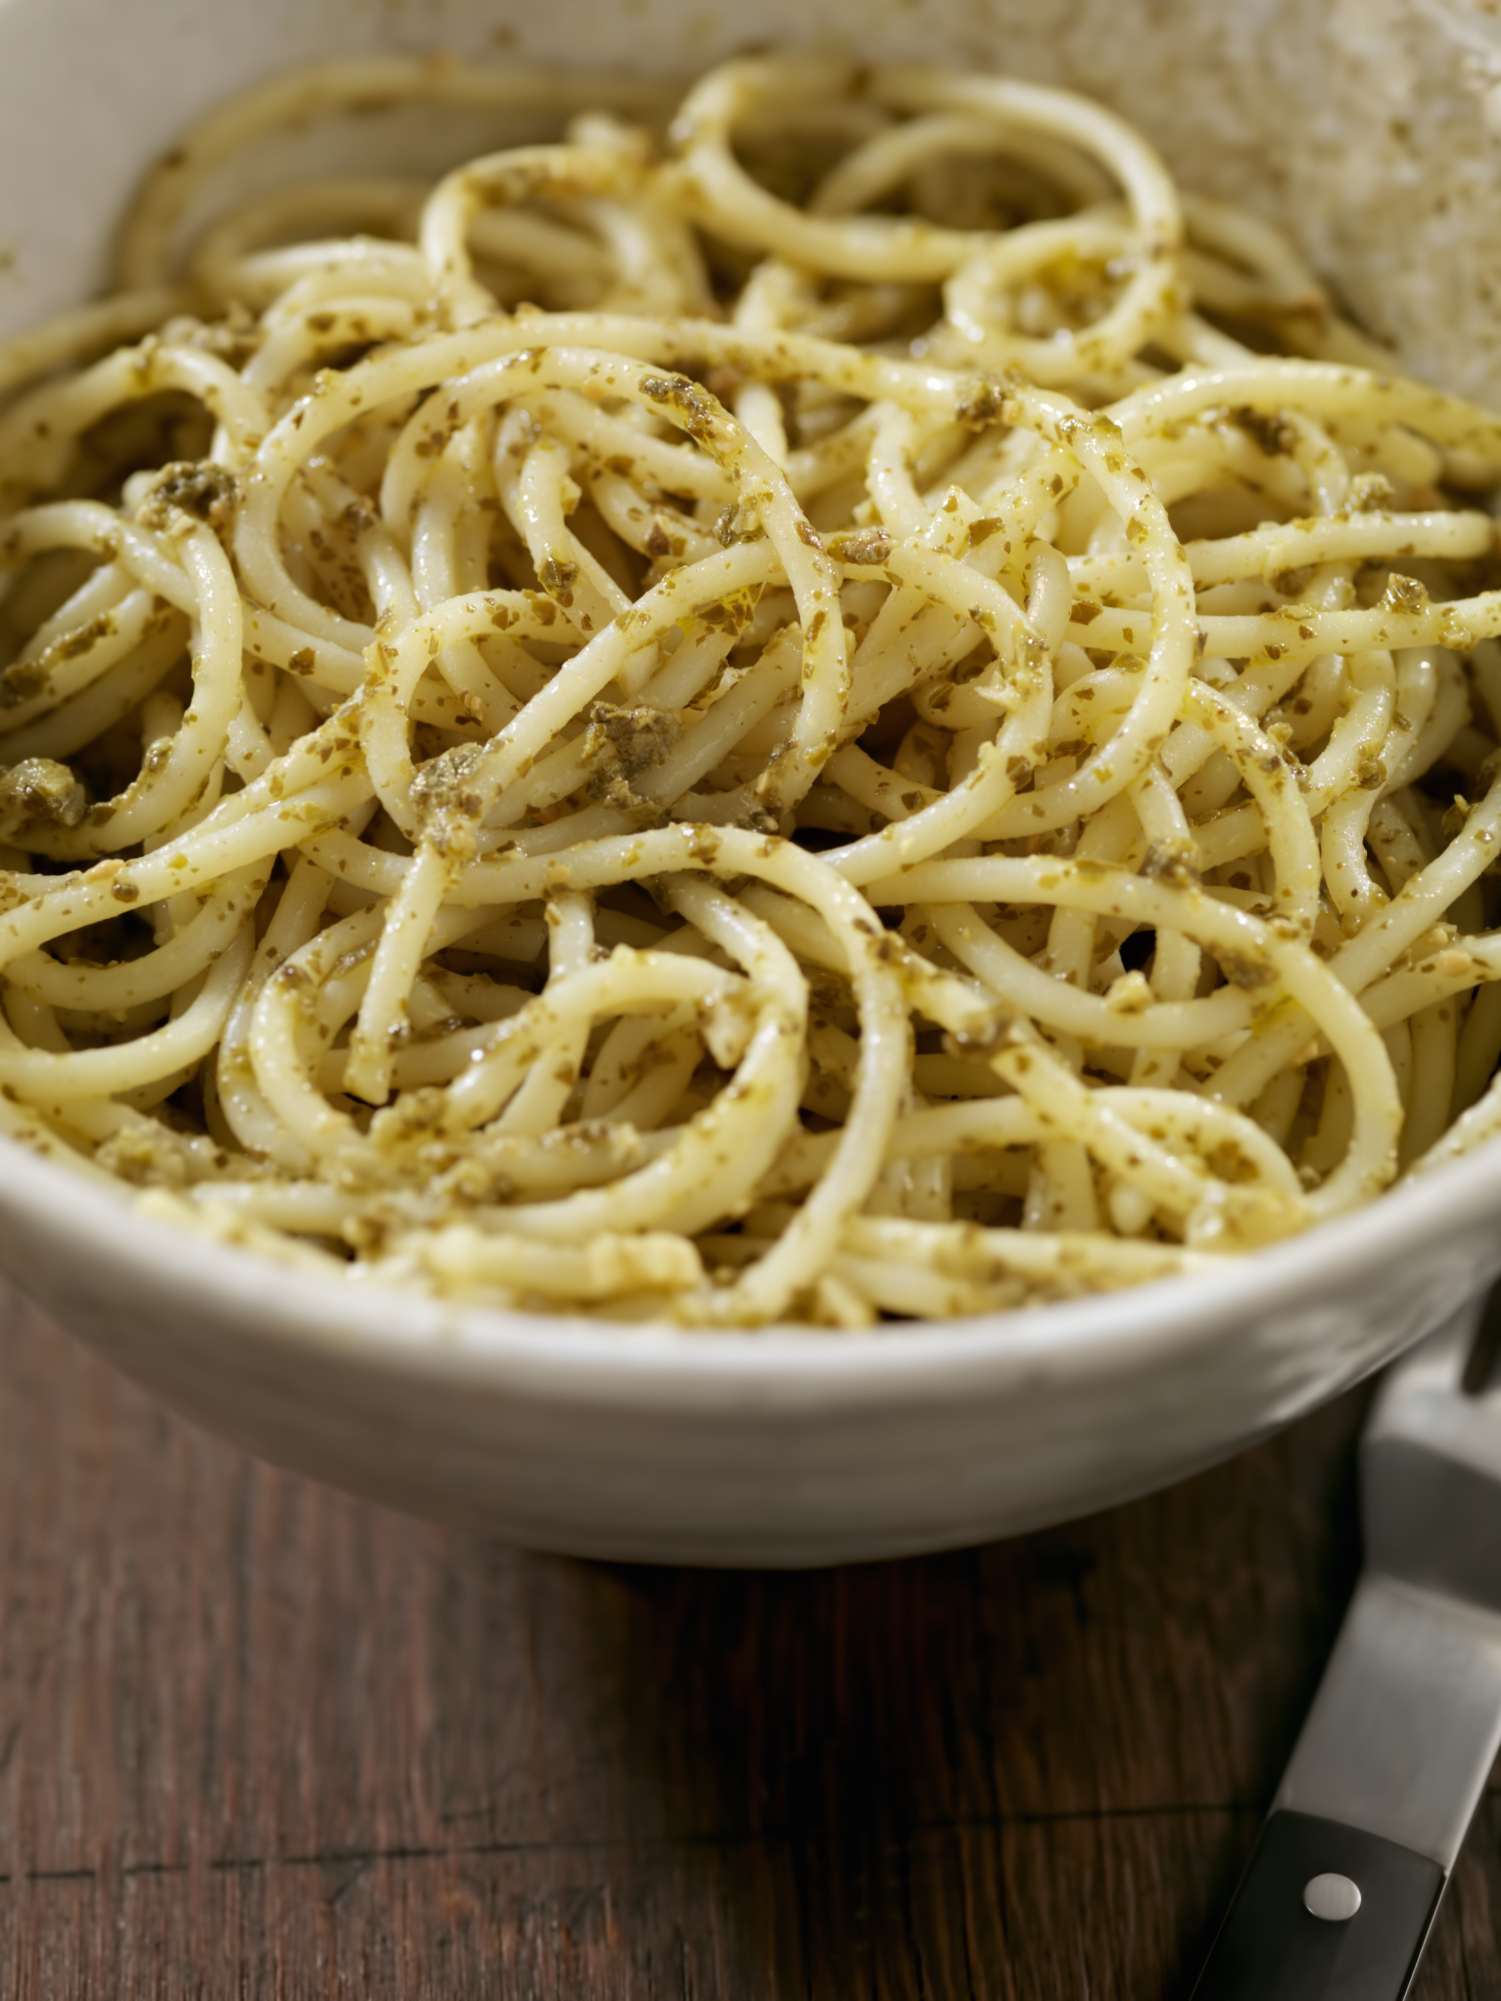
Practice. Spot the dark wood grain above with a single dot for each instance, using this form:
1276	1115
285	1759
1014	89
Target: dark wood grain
262	1741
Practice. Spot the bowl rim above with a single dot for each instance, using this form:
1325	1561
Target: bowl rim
572	1358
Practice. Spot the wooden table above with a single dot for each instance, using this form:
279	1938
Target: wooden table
263	1741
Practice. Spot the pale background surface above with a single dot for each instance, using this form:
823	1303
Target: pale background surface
1373	127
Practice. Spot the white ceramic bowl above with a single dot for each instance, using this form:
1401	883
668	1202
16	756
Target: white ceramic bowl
788	1447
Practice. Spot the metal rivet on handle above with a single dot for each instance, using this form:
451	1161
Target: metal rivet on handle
1334	1898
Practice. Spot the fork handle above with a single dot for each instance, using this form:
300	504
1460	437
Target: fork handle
1272	1943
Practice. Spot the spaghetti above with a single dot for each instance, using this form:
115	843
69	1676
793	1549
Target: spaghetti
848	709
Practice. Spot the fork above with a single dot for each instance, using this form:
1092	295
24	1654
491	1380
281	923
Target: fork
1343	1885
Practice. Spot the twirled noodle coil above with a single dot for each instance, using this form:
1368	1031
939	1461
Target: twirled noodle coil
830	706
